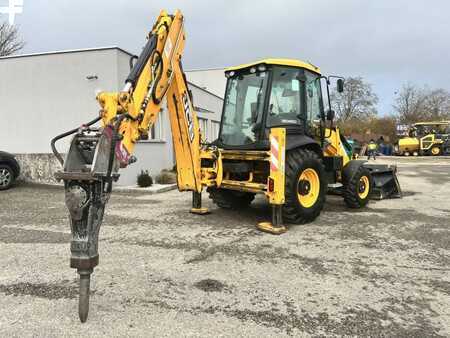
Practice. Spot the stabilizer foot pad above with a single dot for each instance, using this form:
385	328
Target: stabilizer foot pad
268	227
199	211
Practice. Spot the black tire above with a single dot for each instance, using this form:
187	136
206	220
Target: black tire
435	151
297	161
230	199
353	196
6	177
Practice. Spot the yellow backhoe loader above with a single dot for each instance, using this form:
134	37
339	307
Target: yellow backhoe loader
426	138
276	139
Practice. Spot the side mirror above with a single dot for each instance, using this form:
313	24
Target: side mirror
330	115
340	85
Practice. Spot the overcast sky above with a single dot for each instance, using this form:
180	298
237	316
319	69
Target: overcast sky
387	42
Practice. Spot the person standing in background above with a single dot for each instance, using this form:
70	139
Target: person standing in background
371	149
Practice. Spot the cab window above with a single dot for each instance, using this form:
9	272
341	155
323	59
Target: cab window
313	97
285	98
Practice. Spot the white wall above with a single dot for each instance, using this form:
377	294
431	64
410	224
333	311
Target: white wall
152	155
212	80
208	106
44	95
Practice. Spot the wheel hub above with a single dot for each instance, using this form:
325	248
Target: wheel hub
304	187
362	187
308	188
5	177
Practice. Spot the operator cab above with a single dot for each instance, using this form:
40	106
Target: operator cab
266	94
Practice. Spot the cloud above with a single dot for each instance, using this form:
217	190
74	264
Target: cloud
387	42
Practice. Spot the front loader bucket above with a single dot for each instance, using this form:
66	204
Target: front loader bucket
385	182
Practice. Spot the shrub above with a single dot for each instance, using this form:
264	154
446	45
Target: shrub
144	179
166	177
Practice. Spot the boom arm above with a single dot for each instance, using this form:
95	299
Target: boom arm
96	154
158	75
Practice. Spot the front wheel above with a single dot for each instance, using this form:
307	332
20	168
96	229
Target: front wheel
358	188
305	186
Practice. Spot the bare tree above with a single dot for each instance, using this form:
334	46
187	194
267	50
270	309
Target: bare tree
414	104
358	101
10	41
437	104
410	103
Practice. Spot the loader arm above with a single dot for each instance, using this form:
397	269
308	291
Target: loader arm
96	154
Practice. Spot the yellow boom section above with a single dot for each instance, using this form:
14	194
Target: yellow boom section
156	76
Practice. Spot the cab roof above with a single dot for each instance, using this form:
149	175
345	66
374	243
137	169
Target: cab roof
281	62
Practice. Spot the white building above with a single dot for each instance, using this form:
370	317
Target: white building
212	79
46	94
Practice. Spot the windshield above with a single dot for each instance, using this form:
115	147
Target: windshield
293	98
243	108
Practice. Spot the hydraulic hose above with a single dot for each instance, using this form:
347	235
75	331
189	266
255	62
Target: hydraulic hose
138	67
67	133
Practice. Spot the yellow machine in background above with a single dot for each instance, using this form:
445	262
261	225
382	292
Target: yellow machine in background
426	138
276	139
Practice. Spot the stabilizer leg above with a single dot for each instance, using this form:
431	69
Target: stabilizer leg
275	227
197	204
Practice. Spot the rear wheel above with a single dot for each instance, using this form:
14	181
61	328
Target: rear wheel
358	188
305	186
6	177
230	199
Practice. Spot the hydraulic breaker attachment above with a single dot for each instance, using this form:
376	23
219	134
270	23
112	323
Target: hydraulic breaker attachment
89	170
385	182
86	202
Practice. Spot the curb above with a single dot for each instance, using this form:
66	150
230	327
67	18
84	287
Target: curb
150	190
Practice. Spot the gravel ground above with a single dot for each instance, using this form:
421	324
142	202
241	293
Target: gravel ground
380	271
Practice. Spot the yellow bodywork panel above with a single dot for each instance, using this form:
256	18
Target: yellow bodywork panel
410	144
281	62
275	189
334	146
185	135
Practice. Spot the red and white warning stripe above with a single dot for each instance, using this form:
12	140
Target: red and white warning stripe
274	153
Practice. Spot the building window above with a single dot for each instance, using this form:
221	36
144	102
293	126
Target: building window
215	126
204	128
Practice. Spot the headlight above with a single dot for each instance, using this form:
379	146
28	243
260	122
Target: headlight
229	74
